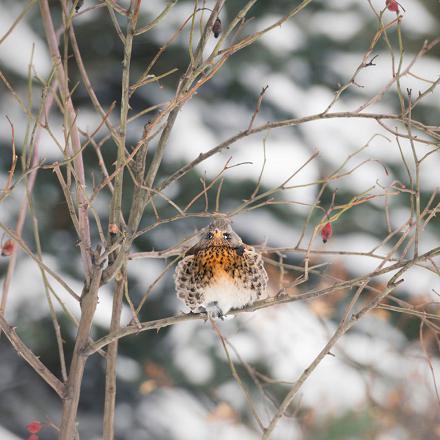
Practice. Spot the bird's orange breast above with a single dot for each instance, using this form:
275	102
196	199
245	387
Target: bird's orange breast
219	260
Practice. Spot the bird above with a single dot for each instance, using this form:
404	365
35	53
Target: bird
220	273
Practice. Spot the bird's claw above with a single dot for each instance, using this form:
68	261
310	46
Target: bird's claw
214	311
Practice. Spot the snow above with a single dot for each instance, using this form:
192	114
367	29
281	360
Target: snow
287	337
196	366
127	369
184	410
29	293
290	336
16	50
7	435
282	39
344	25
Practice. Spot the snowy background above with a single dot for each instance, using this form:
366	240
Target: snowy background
177	384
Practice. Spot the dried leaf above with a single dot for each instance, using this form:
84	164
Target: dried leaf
223	412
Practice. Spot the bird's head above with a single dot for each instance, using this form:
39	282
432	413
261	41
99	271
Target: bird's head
220	233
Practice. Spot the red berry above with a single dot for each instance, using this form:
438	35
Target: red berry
326	232
33	437
392	5
8	248
34	427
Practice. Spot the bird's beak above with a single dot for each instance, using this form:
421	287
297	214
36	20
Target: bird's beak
217	234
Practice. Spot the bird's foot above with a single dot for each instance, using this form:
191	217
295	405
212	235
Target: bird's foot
187	312
214	311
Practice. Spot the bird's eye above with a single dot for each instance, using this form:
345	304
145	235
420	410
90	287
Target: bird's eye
209	235
226	235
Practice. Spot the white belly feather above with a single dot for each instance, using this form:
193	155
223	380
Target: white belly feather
227	295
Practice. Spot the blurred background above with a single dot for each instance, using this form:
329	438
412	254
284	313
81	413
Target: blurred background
176	384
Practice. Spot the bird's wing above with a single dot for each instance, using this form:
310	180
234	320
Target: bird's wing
189	288
256	276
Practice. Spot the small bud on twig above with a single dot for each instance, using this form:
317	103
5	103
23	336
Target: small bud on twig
217	27
113	229
78	4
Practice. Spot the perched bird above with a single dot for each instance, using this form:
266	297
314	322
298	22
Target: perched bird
220	273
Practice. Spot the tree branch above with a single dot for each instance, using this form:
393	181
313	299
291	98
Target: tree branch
26	353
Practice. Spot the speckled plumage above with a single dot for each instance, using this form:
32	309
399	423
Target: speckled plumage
220	273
